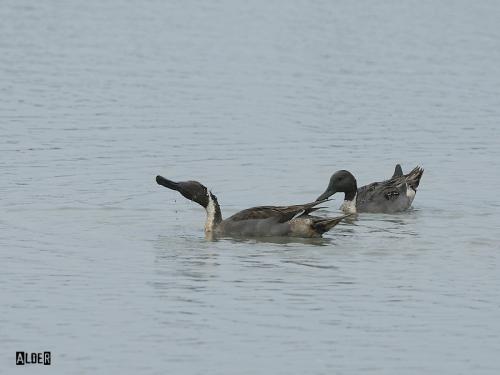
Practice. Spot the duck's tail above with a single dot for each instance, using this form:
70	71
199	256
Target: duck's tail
321	225
398	171
413	178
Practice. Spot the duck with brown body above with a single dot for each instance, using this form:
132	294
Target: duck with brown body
390	196
263	221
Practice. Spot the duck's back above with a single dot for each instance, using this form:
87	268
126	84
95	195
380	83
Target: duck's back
389	196
383	197
278	221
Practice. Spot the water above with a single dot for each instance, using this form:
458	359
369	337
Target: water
262	102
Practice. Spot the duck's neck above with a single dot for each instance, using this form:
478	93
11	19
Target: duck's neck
214	216
349	205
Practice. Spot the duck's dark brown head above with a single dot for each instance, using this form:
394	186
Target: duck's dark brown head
341	181
192	190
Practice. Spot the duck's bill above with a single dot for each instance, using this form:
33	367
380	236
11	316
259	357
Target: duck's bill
167	183
326	195
192	190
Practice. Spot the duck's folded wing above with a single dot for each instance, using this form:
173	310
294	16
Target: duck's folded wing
396	186
280	213
389	189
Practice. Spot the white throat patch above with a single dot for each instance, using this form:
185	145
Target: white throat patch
209	224
410	193
349	207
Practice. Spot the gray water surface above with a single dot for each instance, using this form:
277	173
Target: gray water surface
261	101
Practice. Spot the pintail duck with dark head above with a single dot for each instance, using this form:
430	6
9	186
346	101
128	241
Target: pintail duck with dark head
393	195
263	221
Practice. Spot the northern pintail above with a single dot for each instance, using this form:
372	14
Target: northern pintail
393	195
263	221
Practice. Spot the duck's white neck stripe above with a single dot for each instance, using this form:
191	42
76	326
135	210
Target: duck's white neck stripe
210	223
410	193
349	207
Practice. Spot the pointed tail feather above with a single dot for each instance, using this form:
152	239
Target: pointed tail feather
398	171
304	209
413	178
324	225
312	209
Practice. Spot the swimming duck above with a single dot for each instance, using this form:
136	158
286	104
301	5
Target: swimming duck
263	221
393	195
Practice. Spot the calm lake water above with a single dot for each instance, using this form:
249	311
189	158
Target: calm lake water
261	101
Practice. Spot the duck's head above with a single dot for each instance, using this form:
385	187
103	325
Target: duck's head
192	190
341	182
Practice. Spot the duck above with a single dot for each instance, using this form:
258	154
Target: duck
393	195
262	221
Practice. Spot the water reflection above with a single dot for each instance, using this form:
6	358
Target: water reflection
279	240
